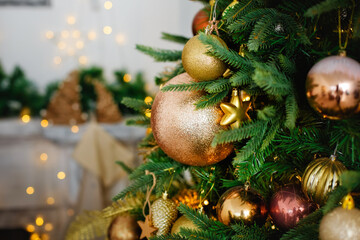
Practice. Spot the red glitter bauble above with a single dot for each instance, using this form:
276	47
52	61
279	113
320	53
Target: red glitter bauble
201	20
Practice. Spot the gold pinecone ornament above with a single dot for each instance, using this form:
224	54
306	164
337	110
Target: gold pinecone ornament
164	214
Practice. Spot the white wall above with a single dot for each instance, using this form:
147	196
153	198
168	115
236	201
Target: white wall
23	41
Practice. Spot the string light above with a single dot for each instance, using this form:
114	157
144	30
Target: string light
35	236
71	20
30	228
45	236
148	113
91	35
39	221
273	227
82	60
65	34
50	200
107	30
43	157
75	129
25	118
148	100
79	44
127	77
206	202
70	212
61	175
44	123
76	34
49	35
61	45
30	190
48	227
108	5
57	60
71	52
120	38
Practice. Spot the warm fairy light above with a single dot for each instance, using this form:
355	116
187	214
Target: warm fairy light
43	157
61	45
107	30
61	175
44	123
49	34
71	52
30	190
83	60
120	38
45	236
127	77
75	129
71	20
70	212
80	44
35	236
148	113
273	227
49	227
57	60
91	35
148	100
39	221
25	118
50	200
65	34
76	34
108	5
148	131
206	202
30	228
246	99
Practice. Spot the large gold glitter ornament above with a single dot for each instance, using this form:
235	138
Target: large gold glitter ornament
183	132
200	65
123	228
341	223
236	110
333	87
183	222
241	204
164	214
321	176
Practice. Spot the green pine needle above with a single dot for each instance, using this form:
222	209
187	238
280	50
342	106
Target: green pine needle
160	55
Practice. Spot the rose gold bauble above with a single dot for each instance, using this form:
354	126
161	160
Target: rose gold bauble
238	204
124	228
333	87
201	20
341	224
183	222
198	64
184	133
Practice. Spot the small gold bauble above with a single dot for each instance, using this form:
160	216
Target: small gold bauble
184	133
333	87
239	204
200	65
321	176
163	214
124	228
183	222
341	224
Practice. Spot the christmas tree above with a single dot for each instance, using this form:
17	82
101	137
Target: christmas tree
255	133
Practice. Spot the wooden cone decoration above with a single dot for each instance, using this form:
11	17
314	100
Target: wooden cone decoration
106	109
64	107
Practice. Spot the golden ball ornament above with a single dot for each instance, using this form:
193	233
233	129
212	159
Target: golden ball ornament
163	214
333	87
320	177
183	222
124	228
183	132
200	65
341	224
241	204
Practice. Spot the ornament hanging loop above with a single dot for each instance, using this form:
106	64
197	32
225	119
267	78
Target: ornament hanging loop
148	193
213	24
342	47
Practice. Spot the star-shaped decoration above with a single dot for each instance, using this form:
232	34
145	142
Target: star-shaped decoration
235	112
146	228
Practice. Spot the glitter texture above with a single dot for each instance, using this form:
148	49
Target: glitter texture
184	133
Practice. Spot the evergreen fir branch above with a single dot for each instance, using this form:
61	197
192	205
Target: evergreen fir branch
241	77
205	235
248	20
211	99
218	85
229	56
168	237
125	167
139	121
249	166
270	134
194	86
252	232
140	184
287	66
166	76
350	180
267	113
326	6
271	80
160	55
356	25
174	38
305	232
291	108
136	104
155	167
247	130
313	218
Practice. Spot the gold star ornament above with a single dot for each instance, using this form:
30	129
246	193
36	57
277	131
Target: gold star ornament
146	228
235	111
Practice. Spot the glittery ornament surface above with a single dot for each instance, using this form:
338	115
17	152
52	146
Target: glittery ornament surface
123	228
333	87
200	21
164	214
184	133
341	224
200	65
320	177
183	222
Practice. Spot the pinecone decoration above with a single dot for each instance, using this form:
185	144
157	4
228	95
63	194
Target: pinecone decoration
163	214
